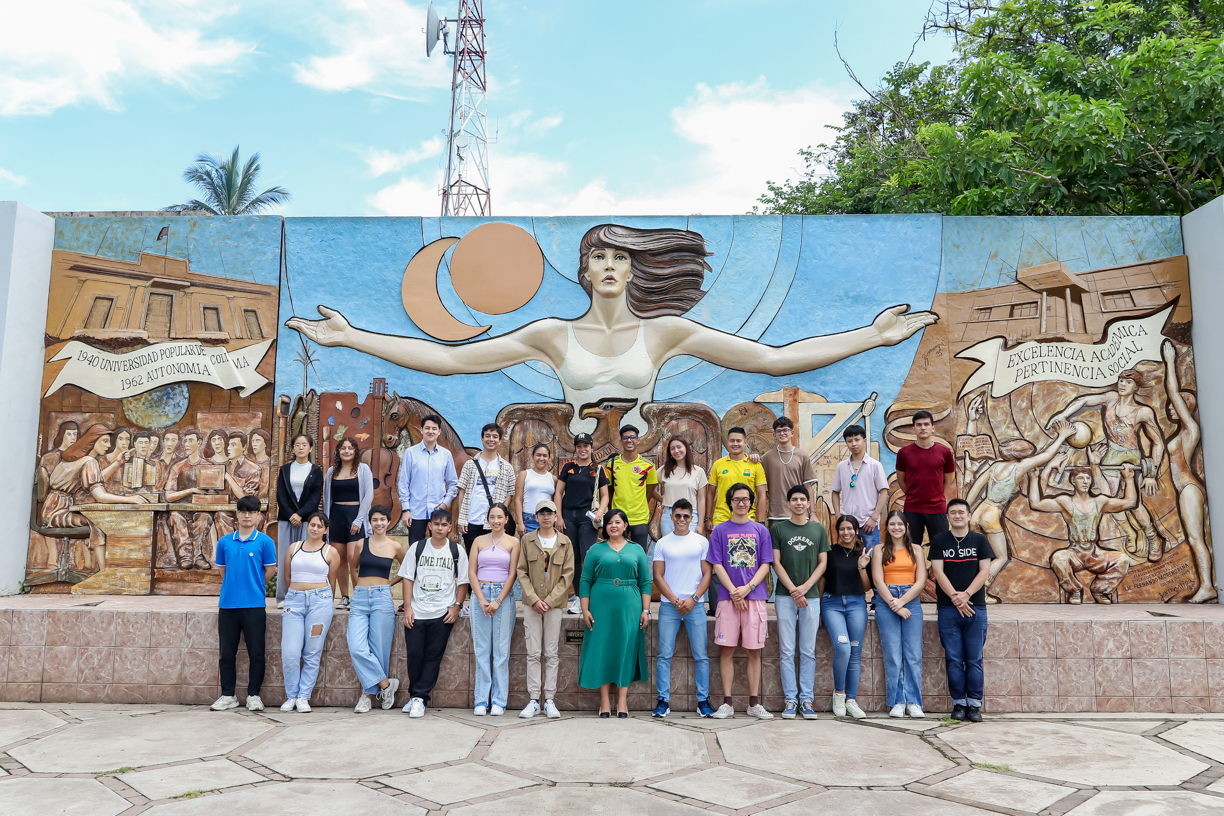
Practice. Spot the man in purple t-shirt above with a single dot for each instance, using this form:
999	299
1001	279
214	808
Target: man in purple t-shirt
740	554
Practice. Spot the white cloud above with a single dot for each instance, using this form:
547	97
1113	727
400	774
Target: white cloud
377	46
382	162
58	53
12	178
741	135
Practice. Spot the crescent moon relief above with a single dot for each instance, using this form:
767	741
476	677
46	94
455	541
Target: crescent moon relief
494	269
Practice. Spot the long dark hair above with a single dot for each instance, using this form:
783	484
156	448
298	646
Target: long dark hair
670	463
886	540
857	549
337	463
668	266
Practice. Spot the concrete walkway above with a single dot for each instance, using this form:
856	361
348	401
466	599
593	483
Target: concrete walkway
96	760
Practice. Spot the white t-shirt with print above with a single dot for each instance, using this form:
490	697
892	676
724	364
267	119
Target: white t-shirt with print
478	502
681	557
434	584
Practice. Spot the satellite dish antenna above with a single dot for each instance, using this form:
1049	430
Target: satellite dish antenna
433	27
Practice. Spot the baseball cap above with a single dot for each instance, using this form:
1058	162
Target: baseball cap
583	438
545	504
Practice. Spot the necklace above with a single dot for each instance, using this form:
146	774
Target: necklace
960	540
788	461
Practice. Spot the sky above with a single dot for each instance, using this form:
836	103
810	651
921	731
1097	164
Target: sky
609	108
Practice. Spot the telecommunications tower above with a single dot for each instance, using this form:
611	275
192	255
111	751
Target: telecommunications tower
465	189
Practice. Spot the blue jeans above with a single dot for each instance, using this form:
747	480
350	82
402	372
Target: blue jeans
807	622
371	628
695	625
845	619
308	616
901	643
871	540
666	525
529	524
963	639
491	644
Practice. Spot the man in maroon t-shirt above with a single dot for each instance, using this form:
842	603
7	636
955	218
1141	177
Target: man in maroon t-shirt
926	473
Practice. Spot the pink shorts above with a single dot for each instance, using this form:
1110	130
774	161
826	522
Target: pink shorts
747	628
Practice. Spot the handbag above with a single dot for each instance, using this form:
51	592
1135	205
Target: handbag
511	524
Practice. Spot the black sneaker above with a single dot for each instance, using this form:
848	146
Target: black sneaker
975	714
661	709
958	712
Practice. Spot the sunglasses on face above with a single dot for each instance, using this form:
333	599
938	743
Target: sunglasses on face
682	516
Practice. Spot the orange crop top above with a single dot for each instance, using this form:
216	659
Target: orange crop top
902	570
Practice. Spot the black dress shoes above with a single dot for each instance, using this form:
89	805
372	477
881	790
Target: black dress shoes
958	712
975	714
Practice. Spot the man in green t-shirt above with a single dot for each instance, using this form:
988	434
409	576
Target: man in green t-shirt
801	550
629	476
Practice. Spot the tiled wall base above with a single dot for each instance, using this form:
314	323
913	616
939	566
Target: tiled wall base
1038	659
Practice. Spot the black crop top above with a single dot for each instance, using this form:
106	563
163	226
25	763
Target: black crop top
345	490
370	565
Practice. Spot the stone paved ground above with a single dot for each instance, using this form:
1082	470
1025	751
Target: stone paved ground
96	760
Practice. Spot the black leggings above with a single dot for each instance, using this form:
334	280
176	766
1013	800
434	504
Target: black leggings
582	534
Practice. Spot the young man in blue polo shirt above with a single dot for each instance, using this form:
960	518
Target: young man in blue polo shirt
247	560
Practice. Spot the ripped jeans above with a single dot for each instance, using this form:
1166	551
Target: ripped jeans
308	616
845	619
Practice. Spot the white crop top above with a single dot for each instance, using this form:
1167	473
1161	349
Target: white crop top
309	567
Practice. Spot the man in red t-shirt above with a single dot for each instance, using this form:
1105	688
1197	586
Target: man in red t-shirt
926	473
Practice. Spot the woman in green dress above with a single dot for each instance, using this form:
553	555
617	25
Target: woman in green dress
615	594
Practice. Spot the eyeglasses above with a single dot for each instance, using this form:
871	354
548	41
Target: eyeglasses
742	500
853	479
628	437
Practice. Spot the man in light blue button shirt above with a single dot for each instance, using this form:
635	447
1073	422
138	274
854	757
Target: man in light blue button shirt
427	479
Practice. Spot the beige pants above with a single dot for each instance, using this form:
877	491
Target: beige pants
543	634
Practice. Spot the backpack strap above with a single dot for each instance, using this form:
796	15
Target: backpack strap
454	548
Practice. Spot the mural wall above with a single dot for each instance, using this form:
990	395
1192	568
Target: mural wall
1054	353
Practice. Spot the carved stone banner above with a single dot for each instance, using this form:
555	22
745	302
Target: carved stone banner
118	376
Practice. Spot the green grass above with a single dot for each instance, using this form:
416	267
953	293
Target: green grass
948	722
191	794
124	769
988	767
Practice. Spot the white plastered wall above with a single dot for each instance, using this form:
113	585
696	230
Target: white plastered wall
26	240
1203	237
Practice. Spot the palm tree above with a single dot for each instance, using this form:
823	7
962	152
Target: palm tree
228	190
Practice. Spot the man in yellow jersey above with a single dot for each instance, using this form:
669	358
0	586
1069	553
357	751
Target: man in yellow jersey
628	476
734	468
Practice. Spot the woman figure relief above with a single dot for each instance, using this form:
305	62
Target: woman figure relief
641	282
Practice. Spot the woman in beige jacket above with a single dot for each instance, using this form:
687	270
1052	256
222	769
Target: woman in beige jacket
545	572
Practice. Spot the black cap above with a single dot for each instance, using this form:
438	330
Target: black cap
583	437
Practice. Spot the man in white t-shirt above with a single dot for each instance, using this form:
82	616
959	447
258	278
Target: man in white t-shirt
860	487
682	576
435	573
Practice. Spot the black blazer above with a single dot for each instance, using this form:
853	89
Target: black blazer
312	493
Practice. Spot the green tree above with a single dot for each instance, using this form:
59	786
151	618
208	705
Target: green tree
1049	107
228	187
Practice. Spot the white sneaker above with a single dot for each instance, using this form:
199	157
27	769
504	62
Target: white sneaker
550	710
839	704
303	706
496	711
532	709
224	703
364	704
416	707
289	704
724	711
464	611
480	711
386	697
897	711
914	711
280	604
852	708
254	703
759	712
575	607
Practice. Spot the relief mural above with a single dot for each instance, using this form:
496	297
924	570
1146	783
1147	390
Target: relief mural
1055	355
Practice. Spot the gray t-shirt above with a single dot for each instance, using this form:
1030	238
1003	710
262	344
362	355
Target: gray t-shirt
434	583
